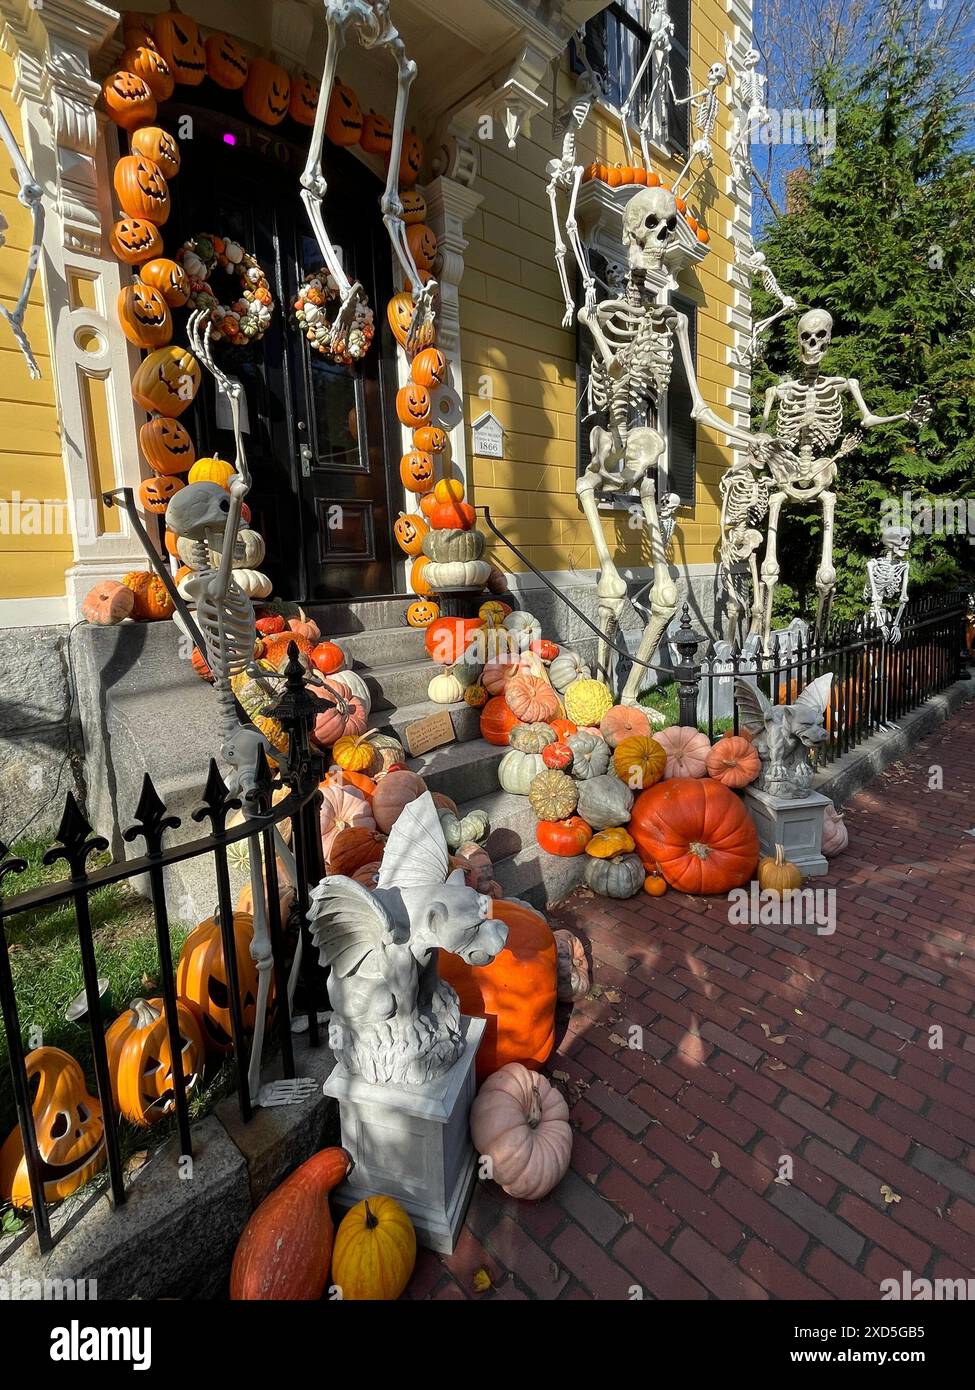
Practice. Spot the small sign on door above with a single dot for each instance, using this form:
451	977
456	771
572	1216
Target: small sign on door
488	435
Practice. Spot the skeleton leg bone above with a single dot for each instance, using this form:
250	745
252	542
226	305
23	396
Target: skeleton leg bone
560	250
575	241
643	448
611	587
770	565
826	574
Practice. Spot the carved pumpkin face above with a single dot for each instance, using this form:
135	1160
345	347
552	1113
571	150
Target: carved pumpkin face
159	146
134	240
149	64
178	40
167	381
141	188
409	532
169	278
411	160
377	134
128	100
414	206
267	91
430	438
422	241
144	315
155	492
140	1059
429	367
201	978
416	471
413	405
343	124
167	445
304	99
69	1126
227	63
399	312
422	613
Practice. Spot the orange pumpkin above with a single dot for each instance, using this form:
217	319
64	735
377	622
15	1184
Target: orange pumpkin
411	159
343	122
178	40
422	241
377	134
563	727
418	583
151	599
107	603
449	490
414	405
429	368
516	994
422	614
202	979
304	99
267	92
497	721
452	516
448	639
149	64
155	492
431	439
167	381
144	315
353	847
409	531
532	698
227	63
169	278
133	240
427	504
154	143
564	838
416	471
697	833
141	189
140	1059
414	206
69	1127
399	313
166	445
128	99
734	761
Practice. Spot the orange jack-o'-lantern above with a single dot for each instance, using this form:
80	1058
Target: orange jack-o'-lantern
413	405
134	240
418	583
158	145
411	160
128	99
140	1059
169	278
227	63
399	312
422	613
141	188
69	1126
201	978
304	99
430	438
178	40
149	64
343	121
377	134
416	471
414	206
144	315
155	492
422	241
267	91
167	381
409	531
429	368
167	445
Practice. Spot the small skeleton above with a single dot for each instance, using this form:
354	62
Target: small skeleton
744	507
634	338
887	580
803	455
208	517
30	194
783	735
748	88
755	263
369	21
661	32
565	174
705	105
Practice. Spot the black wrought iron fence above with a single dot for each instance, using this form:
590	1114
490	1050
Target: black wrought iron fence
75	844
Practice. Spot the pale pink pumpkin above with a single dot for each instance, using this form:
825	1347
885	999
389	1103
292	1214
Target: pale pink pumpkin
836	837
532	699
347	716
497	674
343	808
622	722
108	603
687	751
395	790
521	1122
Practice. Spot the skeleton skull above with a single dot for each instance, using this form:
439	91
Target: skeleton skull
649	224
815	331
898	540
717	73
202	510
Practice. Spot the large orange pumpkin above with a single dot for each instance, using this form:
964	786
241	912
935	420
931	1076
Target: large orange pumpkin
452	516
448	639
497	721
697	832
516	993
141	188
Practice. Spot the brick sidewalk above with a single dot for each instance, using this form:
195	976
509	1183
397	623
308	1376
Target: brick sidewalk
764	1043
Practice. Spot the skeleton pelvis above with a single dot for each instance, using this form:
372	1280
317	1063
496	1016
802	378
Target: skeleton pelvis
643	447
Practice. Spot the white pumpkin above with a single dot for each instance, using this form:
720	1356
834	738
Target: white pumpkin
836	837
457	574
524	629
445	689
353	684
517	770
566	668
254	583
249	550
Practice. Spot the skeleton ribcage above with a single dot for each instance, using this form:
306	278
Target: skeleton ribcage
747	498
643	344
887	578
227	626
810	416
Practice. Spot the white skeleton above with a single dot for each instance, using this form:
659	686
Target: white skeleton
30	194
661	31
755	263
887	580
634	340
565	174
705	104
748	88
208	518
799	463
369	21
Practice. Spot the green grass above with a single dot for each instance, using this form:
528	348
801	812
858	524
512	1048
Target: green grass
663	699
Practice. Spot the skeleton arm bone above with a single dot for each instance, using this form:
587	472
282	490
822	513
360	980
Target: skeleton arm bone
702	411
313	186
866	414
30	194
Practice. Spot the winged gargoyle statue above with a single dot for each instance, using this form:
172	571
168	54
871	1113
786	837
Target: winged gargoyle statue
783	734
394	1021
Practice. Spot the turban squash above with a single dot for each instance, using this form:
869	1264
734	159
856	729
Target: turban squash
697	832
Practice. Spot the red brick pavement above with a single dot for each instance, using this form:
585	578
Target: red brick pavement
762	1045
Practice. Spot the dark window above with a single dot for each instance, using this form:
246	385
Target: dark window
681	429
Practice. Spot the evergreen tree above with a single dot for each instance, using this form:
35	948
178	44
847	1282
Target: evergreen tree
882	234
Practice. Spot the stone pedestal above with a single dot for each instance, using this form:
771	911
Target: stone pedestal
794	823
413	1143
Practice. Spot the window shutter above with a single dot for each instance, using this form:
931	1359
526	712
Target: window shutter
681	429
678	117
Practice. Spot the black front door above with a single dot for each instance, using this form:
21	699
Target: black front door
318	438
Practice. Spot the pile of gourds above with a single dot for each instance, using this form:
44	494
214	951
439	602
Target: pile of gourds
623	175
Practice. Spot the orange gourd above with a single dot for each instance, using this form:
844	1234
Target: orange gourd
151	599
697	833
497	721
734	761
532	698
564	838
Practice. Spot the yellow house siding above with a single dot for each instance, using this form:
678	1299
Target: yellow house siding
519	362
31	468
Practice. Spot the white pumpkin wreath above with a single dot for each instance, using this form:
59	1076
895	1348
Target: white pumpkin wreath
315	294
248	318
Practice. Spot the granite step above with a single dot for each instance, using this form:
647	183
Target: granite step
393	686
466	721
383	647
462	771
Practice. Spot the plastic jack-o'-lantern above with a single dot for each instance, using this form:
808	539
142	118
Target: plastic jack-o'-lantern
429	368
430	438
343	121
155	492
154	143
267	92
140	1059
304	99
411	160
149	64
167	381
422	241
227	63
409	531
201	978
144	315
70	1131
377	134
167	445
134	240
141	188
416	471
414	206
169	278
399	312
413	405
128	99
178	40
422	613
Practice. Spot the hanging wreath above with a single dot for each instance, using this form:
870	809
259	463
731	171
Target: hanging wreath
248	318
315	293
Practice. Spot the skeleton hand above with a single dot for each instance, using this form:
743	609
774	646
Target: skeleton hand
850	442
920	412
422	319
